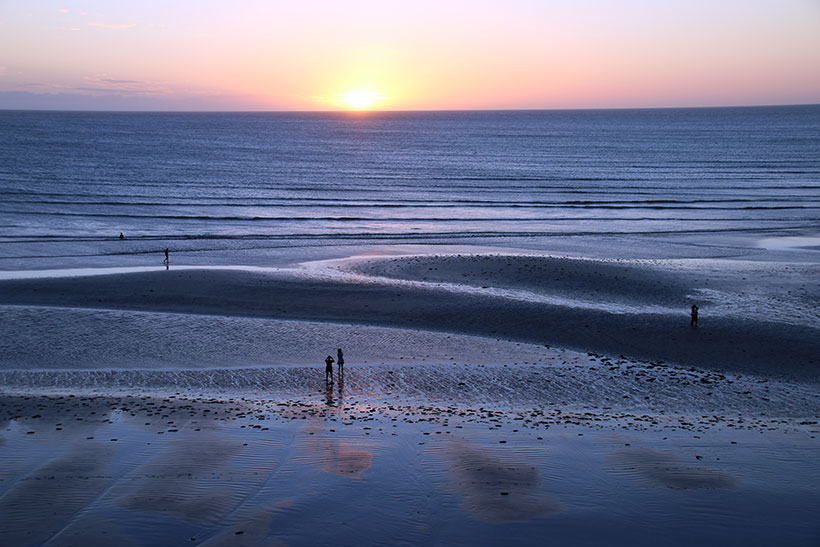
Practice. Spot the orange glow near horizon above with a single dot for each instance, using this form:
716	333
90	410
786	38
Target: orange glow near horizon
422	55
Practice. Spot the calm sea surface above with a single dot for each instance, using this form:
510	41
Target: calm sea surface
71	181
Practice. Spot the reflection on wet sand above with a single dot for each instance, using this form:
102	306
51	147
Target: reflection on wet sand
191	481
329	394
670	471
333	455
497	488
38	505
95	530
251	532
187	470
329	400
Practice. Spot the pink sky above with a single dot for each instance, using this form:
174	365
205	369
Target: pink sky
462	54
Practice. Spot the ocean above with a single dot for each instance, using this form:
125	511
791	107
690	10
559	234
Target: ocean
220	187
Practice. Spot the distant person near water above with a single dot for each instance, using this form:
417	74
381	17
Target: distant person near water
122	236
166	256
693	321
329	368
340	359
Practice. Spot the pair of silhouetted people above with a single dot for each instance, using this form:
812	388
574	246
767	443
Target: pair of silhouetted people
329	365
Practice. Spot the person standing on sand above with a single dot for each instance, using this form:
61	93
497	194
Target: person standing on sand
166	255
341	360
329	368
693	321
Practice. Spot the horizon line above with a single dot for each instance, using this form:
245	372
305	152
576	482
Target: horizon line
406	111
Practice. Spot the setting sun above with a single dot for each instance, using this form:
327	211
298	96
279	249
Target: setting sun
360	99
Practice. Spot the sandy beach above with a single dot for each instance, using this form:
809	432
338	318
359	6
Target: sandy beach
755	317
502	397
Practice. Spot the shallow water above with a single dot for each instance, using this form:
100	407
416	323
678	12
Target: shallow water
171	471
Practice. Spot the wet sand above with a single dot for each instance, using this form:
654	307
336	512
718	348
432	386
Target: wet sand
486	399
336	467
767	326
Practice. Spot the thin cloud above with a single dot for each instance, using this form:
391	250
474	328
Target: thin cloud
114	27
119	91
100	86
103	84
40	87
113	81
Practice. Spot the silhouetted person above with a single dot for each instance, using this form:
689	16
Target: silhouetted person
329	368
122	236
341	360
166	257
693	321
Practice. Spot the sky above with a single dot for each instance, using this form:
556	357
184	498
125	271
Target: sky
407	54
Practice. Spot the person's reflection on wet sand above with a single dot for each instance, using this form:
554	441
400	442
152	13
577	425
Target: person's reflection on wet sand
329	394
341	387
